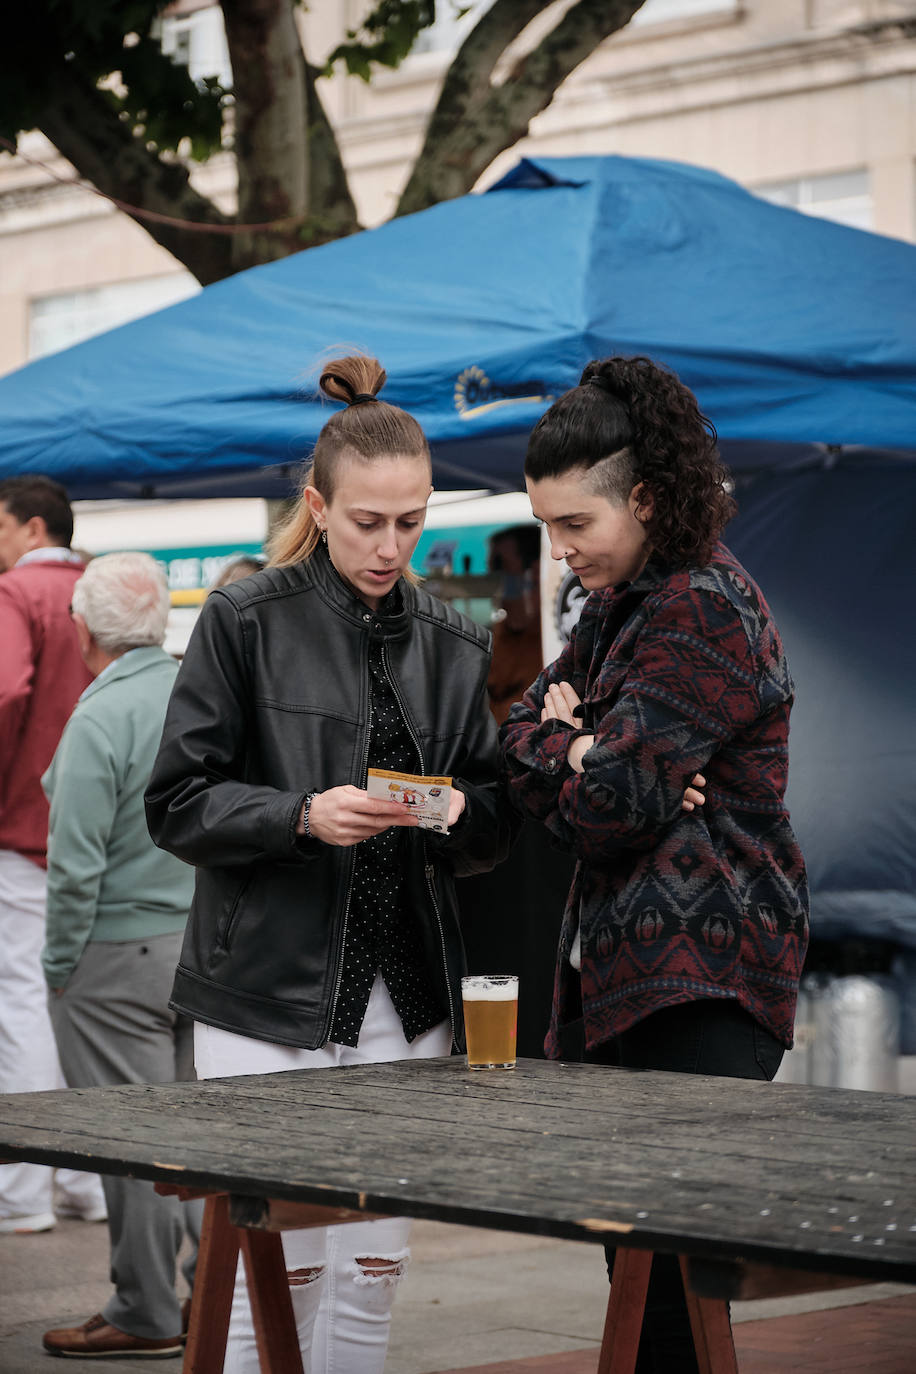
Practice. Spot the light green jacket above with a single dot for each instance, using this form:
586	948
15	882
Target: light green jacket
106	878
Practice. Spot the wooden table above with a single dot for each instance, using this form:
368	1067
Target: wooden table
731	1175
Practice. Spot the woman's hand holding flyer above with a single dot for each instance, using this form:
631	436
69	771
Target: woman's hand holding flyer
428	798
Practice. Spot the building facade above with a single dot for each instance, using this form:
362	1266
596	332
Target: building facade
808	102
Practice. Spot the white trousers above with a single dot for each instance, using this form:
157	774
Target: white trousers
28	1050
343	1279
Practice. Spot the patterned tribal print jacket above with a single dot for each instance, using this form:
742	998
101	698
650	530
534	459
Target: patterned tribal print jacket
679	672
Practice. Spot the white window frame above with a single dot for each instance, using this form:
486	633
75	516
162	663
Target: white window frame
855	208
68	317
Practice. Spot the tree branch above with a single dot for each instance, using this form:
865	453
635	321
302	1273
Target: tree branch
85	128
467	87
474	120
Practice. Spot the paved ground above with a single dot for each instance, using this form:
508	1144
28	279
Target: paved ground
494	1303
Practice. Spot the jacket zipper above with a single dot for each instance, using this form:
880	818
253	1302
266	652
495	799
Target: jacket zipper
402	704
346	915
429	871
428	868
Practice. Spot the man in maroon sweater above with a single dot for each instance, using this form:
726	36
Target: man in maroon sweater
41	676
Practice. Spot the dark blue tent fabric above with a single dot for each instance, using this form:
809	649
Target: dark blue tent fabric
794	333
835	552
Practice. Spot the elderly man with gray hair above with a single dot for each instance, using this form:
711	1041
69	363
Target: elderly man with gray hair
117	907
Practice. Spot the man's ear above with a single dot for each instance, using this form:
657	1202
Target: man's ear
83	637
35	530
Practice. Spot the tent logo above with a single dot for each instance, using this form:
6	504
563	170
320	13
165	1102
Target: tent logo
475	394
567	607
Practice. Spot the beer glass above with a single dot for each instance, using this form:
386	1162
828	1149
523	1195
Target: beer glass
490	1019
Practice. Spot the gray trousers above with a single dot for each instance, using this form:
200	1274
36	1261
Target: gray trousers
113	1025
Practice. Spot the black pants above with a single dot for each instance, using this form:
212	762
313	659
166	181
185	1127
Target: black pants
709	1037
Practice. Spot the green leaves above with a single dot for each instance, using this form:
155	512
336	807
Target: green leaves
391	30
160	96
112	44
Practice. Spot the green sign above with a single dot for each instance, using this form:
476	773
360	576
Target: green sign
196	569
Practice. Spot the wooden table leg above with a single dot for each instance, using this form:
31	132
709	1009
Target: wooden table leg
712	1331
214	1282
271	1305
626	1304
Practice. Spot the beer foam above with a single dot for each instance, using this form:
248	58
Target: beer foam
482	991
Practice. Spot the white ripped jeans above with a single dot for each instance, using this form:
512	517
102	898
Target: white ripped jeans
343	1279
28	1050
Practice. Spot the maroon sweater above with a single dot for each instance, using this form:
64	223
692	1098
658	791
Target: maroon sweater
679	672
41	676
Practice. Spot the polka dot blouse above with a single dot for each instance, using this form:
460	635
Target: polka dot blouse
382	934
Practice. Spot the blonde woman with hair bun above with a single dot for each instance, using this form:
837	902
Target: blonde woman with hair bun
324	925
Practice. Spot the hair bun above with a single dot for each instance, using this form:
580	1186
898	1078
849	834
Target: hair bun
353	380
608	375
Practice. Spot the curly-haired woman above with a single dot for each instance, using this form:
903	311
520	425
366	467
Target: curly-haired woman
685	929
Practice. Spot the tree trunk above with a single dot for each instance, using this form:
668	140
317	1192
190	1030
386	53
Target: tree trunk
474	120
270	124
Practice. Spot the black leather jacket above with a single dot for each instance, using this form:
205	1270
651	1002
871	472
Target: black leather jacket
271	702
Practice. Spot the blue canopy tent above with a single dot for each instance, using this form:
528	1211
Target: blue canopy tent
798	337
792	331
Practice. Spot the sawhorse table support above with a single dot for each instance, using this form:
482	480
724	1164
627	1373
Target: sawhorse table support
709	1320
268	1292
253	1228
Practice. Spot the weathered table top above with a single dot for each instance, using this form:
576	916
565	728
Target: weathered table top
814	1178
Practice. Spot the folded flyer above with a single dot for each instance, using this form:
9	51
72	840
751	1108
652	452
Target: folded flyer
428	798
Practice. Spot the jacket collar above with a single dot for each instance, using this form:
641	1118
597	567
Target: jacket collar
127	665
625	594
49	553
656	571
392	618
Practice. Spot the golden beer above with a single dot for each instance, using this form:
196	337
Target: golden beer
490	1019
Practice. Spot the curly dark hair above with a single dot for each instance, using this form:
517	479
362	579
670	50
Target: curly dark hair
641	416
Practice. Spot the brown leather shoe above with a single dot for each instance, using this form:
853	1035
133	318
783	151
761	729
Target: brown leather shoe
97	1337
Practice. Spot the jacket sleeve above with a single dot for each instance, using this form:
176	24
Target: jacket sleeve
691	686
82	786
198	806
534	752
488	826
16	672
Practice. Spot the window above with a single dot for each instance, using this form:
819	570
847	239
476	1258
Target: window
658	11
198	41
841	196
56	322
454	21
